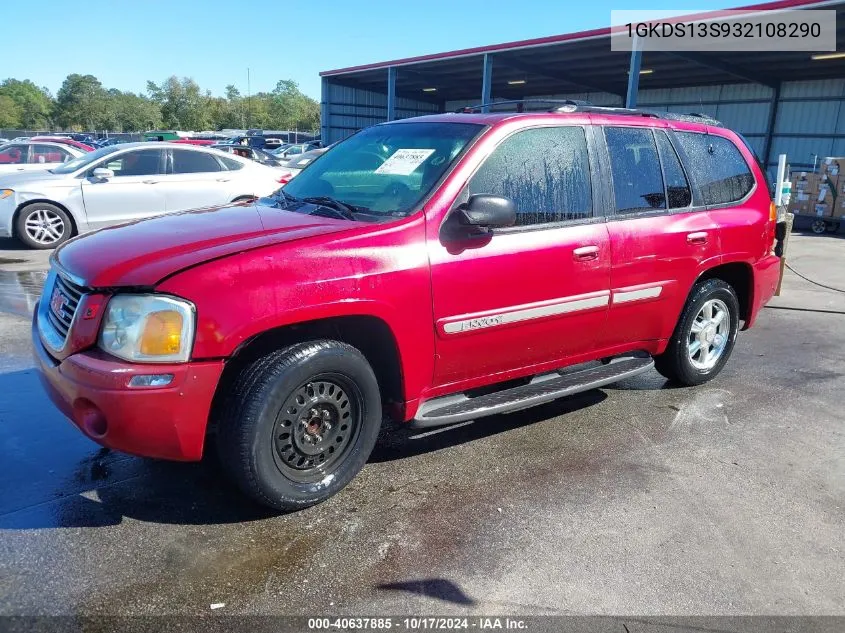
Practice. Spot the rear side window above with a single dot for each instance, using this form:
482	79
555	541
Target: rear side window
545	171
48	154
635	167
720	170
677	185
230	164
188	162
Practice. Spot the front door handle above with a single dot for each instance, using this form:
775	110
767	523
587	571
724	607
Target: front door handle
222	180
149	182
586	253
699	237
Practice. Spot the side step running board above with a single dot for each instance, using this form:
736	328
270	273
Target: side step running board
543	388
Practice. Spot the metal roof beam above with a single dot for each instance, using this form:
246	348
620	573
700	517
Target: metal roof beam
730	69
550	73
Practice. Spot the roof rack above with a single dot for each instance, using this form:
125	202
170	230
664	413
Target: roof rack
575	105
558	102
560	106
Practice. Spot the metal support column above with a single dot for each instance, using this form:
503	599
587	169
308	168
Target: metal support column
487	82
634	75
325	103
770	127
391	93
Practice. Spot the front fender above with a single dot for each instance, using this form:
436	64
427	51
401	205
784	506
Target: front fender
244	295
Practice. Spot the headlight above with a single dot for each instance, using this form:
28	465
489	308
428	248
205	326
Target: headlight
148	328
5	193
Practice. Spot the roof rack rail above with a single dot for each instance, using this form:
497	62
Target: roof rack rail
561	106
615	110
692	117
558	102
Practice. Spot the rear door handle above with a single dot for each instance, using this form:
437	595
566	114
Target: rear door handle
149	182
699	237
586	253
223	180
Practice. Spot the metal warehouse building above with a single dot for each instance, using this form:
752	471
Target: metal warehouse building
783	102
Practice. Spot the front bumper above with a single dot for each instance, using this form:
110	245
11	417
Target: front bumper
7	212
92	389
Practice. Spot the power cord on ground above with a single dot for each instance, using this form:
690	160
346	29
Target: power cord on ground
815	283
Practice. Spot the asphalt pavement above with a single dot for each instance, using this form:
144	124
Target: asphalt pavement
638	498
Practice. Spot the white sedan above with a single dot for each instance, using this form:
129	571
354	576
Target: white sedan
122	183
28	156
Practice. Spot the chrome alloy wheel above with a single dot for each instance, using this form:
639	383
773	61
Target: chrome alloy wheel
44	226
709	334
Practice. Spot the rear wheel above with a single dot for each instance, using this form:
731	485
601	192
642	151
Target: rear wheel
704	336
300	423
818	227
43	225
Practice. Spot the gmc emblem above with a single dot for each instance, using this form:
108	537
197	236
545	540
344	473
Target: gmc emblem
57	302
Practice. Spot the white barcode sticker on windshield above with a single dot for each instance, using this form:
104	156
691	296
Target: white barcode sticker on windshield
403	162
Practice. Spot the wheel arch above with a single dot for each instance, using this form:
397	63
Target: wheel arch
740	276
73	223
371	335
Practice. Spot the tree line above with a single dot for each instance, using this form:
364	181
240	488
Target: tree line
83	104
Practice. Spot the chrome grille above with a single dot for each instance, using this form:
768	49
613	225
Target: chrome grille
64	300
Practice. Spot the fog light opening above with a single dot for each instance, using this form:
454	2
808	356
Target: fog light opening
90	418
151	380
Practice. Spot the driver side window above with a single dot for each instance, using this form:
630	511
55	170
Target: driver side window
144	162
545	171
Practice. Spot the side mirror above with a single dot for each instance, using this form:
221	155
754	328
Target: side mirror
474	218
102	173
487	211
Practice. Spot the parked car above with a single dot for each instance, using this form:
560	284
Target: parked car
17	139
112	140
35	155
195	141
301	161
437	270
292	151
123	183
244	151
64	140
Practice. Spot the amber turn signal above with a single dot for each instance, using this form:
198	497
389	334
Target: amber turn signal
162	334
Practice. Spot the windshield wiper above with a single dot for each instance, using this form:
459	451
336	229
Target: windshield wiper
344	210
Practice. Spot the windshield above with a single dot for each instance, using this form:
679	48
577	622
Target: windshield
85	160
385	169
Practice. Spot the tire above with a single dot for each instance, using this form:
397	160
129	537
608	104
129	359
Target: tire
679	363
46	220
269	431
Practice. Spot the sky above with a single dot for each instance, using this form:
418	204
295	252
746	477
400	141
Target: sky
124	43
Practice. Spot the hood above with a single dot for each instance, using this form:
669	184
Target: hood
26	180
144	252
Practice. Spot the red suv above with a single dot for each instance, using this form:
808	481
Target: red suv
431	270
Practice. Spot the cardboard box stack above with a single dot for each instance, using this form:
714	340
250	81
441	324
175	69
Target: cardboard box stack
834	170
804	188
821	194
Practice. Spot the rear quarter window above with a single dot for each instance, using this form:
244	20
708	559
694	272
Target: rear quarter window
718	166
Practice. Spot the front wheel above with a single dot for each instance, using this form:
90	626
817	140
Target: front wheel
704	336
300	423
43	225
818	227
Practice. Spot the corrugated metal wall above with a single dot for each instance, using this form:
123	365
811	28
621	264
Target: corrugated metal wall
350	109
810	119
